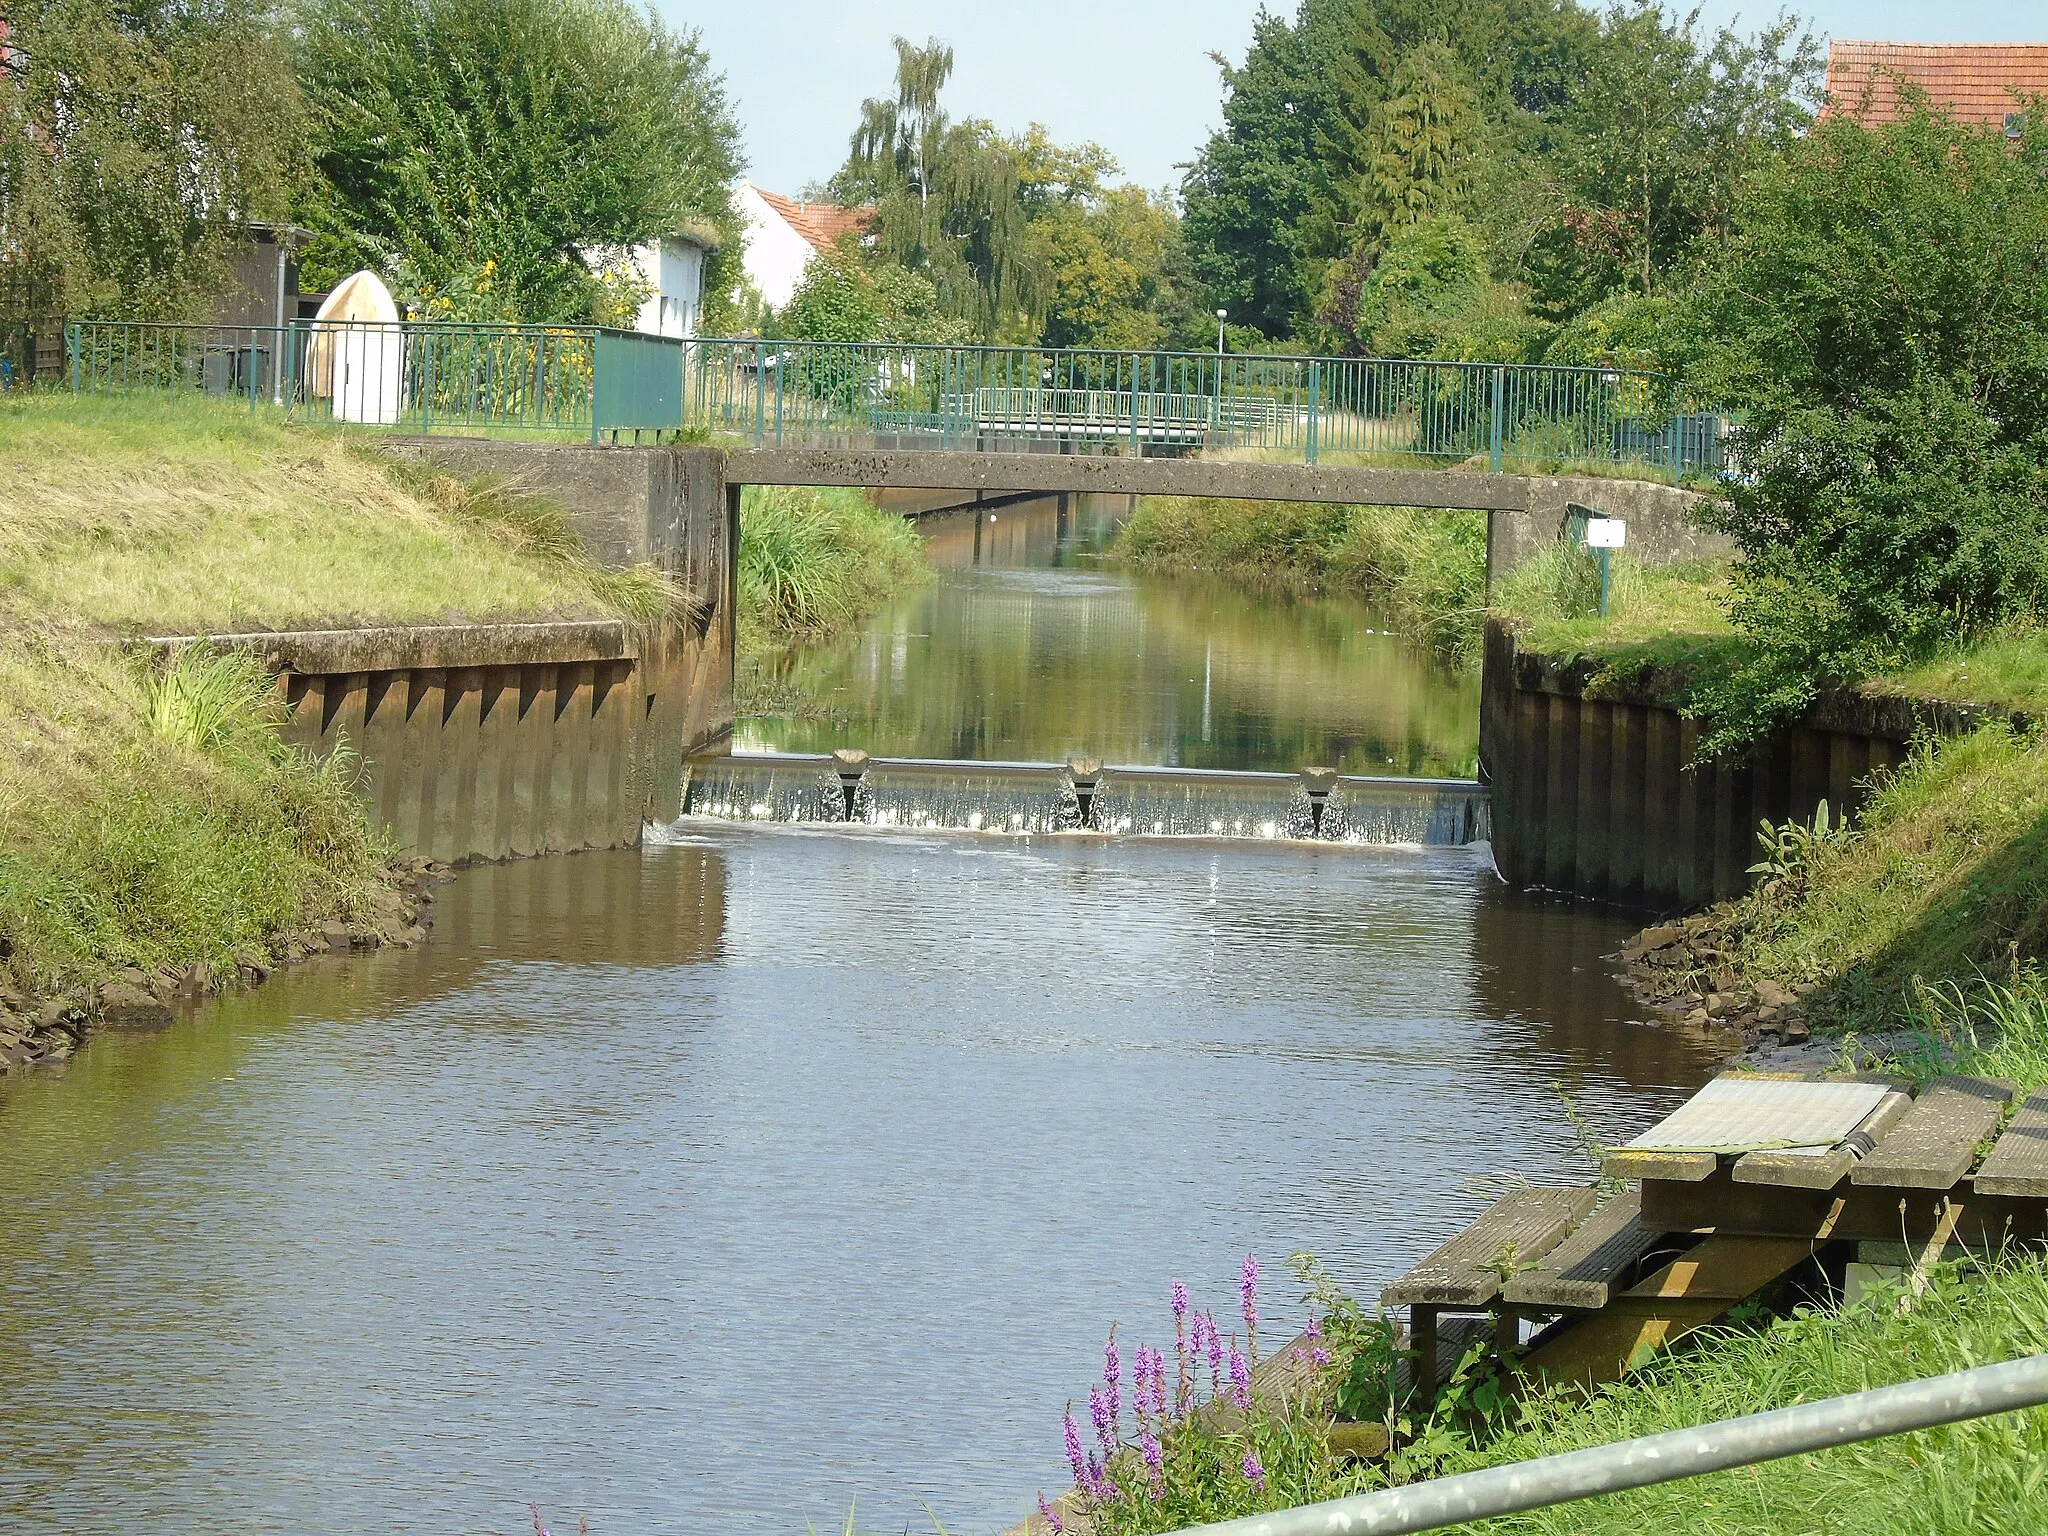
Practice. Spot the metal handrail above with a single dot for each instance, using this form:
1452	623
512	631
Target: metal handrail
431	375
1662	1458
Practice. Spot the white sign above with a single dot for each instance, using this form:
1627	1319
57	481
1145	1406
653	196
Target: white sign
1606	533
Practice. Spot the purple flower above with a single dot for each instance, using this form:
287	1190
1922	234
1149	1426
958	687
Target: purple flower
1158	1384
1051	1517
1253	1472
1098	1411
1317	1355
1074	1457
538	1528
1113	1376
1248	1300
1215	1357
1101	1486
1155	1461
1240	1379
1184	1386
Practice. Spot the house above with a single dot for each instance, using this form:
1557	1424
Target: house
783	235
1988	83
673	268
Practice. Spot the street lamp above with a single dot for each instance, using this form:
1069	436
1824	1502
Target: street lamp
1221	316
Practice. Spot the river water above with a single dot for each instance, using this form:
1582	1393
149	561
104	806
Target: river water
766	1173
1029	647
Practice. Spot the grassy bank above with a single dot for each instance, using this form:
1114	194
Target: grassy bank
153	828
1424	570
814	561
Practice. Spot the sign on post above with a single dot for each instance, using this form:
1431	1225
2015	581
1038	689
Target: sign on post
1606	533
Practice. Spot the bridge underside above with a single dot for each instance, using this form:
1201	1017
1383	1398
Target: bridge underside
1049	473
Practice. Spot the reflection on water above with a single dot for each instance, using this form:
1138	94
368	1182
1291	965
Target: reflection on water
1028	648
716	1187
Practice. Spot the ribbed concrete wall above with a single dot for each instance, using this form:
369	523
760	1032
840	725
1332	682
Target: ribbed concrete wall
1599	797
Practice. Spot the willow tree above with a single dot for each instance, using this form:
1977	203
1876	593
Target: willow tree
948	198
493	150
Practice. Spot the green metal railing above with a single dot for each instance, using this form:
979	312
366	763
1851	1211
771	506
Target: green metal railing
593	381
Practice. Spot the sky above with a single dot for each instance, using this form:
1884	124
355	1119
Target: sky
1133	75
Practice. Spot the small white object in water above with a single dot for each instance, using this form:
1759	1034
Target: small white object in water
974	821
1269	829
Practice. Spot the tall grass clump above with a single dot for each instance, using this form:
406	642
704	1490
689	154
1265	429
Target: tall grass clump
1425	570
812	561
157	819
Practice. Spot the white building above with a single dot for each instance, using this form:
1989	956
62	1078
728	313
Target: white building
783	235
673	267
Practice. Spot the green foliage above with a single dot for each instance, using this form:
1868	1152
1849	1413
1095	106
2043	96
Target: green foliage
840	299
134	139
1425	569
1646	155
812	561
1595	153
538	136
1793	848
221	703
1877	320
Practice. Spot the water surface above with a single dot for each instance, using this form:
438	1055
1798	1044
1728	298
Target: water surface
721	1186
1030	646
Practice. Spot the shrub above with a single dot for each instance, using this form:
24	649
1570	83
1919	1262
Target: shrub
1877	323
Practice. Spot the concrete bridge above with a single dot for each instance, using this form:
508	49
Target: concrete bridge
634	504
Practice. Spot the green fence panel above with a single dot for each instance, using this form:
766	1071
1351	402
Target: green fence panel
637	383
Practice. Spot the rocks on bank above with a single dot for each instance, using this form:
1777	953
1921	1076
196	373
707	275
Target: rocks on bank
44	1030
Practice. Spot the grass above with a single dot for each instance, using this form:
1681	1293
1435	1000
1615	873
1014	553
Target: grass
158	821
1980	1477
1425	570
149	515
152	817
814	561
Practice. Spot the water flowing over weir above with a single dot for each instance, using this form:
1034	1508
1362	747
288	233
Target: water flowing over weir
1032	799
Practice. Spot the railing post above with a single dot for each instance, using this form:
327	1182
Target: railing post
1134	405
760	392
71	345
1499	380
1315	397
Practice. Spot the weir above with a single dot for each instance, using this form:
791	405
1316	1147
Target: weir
1081	797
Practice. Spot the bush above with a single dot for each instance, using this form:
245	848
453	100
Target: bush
1426	570
1877	324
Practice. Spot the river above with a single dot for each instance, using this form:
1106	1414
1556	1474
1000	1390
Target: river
770	1173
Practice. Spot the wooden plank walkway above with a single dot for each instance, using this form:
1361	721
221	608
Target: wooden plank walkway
1519	1228
1934	1145
1581	1271
2018	1164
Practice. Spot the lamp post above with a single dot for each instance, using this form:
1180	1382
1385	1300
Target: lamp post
1221	316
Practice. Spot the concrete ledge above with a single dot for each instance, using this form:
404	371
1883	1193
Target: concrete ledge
908	469
404	647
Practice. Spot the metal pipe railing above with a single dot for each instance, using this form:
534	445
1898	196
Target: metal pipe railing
1664	1458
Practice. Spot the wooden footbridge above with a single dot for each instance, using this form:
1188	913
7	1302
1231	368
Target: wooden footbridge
1754	1178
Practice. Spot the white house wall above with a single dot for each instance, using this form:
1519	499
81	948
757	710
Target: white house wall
776	253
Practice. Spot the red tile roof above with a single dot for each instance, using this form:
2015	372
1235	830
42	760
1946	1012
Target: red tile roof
1973	81
820	223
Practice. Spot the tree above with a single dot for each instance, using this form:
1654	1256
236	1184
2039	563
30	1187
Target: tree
1876	317
537	136
1246	197
947	198
1645	157
134	148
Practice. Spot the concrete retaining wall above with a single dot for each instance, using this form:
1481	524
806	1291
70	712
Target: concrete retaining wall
486	741
1597	797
